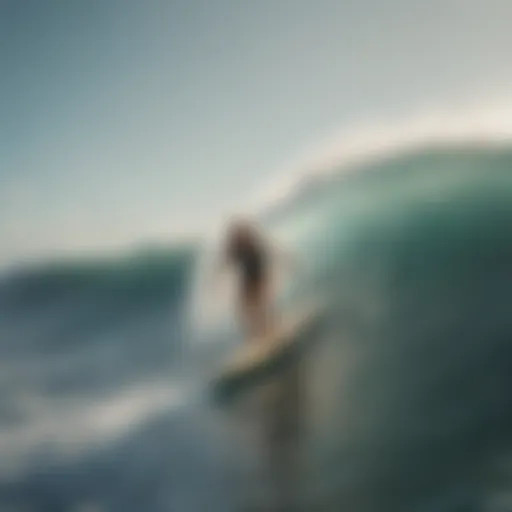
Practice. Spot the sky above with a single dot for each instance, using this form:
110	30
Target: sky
123	121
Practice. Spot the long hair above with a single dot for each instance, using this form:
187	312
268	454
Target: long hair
242	232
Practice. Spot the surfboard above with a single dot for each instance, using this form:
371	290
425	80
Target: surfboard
262	357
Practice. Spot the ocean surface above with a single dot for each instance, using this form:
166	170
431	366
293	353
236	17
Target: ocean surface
402	402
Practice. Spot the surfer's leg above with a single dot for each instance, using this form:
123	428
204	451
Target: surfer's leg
265	310
255	309
247	314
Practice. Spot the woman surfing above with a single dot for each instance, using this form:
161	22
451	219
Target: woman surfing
247	251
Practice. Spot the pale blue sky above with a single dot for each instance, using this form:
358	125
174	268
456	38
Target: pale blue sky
123	120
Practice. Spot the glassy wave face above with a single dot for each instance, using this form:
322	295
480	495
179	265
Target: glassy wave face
408	391
411	388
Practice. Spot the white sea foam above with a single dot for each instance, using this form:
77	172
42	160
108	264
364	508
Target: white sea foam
63	429
376	140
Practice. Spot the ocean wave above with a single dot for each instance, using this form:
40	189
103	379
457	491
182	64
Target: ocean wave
414	251
68	428
147	275
407	390
362	147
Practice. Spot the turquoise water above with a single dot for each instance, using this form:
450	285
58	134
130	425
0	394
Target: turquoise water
406	397
402	403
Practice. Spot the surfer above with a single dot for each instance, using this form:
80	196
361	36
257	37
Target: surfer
278	409
249	253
